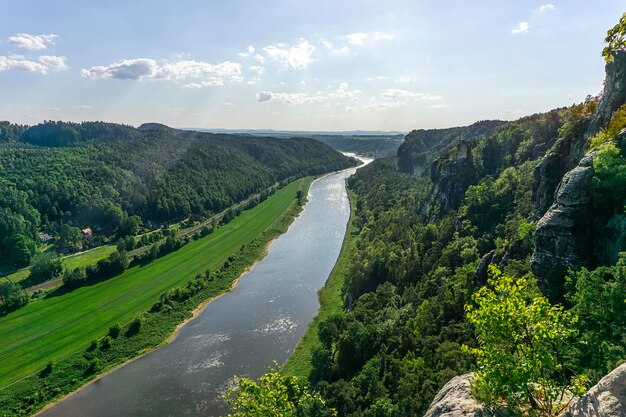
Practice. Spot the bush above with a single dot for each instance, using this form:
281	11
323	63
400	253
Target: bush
75	278
522	340
106	342
46	266
135	326
115	330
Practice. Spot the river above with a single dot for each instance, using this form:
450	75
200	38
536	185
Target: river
240	333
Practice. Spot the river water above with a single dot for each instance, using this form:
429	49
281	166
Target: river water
241	333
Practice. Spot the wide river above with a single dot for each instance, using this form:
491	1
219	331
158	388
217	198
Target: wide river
241	333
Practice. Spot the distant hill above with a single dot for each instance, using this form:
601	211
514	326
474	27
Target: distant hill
363	142
97	174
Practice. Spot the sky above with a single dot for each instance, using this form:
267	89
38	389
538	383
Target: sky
299	65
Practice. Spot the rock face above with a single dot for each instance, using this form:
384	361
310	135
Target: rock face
451	178
567	151
420	147
606	399
564	235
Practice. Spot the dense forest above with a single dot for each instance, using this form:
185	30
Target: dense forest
497	248
428	242
57	178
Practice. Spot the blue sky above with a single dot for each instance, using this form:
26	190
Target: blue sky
300	65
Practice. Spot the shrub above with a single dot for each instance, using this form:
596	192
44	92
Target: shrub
106	343
522	340
115	330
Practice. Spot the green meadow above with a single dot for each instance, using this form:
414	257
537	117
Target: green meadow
54	328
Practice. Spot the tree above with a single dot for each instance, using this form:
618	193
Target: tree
20	250
615	39
599	299
70	238
11	296
115	330
75	277
129	226
275	396
522	340
45	266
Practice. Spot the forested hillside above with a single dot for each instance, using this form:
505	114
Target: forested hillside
496	248
60	177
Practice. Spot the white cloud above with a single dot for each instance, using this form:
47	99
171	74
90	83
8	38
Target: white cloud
292	57
289	98
44	65
382	106
377	78
247	53
357	38
258	72
214	74
32	42
396	94
126	69
205	74
406	80
341	51
56	63
546	7
382	36
342	92
264	96
83	107
520	28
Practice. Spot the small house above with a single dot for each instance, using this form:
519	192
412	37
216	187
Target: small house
44	237
87	233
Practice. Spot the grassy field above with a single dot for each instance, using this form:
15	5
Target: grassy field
299	363
71	261
54	328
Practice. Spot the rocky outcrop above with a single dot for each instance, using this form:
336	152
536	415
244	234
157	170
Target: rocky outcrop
481	275
605	399
421	146
564	235
455	400
451	178
568	150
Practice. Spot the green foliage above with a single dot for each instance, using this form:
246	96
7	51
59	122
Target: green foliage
522	340
135	326
56	333
70	238
609	181
615	39
598	298
115	330
275	396
44	267
616	124
12	297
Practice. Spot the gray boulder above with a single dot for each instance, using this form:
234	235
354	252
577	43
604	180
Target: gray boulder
605	399
455	400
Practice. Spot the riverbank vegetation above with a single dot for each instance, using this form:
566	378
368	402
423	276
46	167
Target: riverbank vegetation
55	345
331	302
